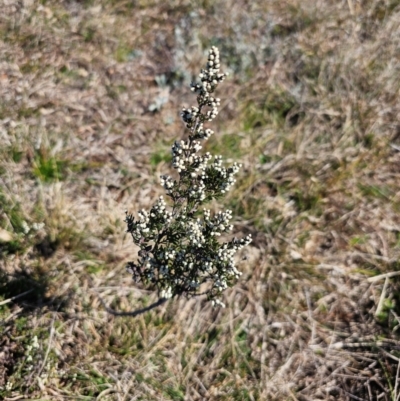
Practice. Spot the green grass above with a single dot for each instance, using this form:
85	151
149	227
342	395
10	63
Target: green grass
161	155
271	109
49	169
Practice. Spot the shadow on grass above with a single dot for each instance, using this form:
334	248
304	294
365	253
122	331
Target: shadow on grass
29	290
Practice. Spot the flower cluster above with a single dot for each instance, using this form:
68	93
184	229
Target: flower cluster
179	249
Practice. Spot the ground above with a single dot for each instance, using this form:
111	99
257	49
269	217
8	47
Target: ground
90	93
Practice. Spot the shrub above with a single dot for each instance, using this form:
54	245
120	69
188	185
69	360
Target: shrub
179	249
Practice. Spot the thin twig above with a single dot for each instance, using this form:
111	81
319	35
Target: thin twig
382	297
382	276
6	301
48	345
397	395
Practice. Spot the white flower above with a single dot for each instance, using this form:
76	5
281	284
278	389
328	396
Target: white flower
25	227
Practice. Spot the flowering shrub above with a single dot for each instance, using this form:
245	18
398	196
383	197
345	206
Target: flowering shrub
179	251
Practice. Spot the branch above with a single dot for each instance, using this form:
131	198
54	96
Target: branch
131	313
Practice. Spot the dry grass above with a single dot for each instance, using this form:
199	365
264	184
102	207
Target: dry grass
89	99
